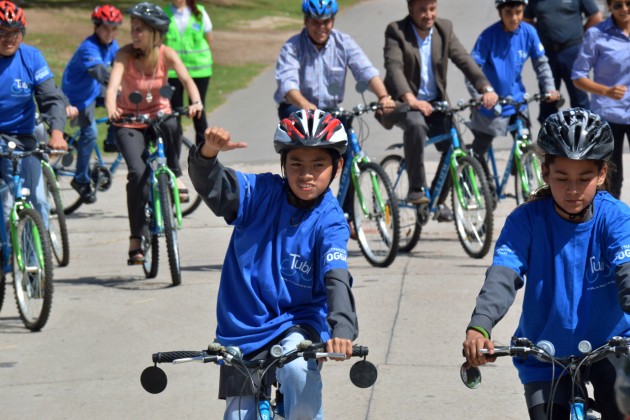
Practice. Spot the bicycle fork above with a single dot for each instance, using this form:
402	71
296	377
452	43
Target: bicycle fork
458	188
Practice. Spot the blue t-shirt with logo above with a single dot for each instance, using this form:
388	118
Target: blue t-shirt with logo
502	55
570	288
21	73
80	88
273	273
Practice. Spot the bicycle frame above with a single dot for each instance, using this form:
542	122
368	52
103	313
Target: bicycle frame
156	162
351	170
521	140
452	155
10	236
72	141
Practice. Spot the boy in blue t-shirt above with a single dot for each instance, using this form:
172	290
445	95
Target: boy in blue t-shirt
285	276
84	81
570	247
27	84
501	51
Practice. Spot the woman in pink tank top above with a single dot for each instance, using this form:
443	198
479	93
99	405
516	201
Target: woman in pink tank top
142	66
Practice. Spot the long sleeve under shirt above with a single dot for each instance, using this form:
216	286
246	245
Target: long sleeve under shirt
576	274
284	266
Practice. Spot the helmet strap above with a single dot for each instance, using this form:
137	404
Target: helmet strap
582	216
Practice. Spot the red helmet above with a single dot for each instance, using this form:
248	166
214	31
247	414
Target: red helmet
11	16
106	14
310	128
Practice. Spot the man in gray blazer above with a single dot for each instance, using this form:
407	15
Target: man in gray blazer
417	50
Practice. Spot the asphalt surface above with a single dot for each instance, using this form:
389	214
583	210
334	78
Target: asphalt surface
107	319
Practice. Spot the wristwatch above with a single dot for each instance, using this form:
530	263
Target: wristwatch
488	89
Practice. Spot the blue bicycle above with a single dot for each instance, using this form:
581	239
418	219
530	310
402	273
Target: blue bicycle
260	373
576	367
102	173
471	197
522	162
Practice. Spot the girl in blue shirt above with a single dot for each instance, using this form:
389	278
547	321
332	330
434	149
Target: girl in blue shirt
569	246
285	276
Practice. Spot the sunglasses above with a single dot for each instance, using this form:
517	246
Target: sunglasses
618	6
10	34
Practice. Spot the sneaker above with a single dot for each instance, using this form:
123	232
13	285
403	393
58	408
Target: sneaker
110	147
444	214
417	197
88	195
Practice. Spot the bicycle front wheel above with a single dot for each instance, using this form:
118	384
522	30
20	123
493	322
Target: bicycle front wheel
57	228
472	206
170	227
410	228
531	179
33	284
150	245
375	215
195	199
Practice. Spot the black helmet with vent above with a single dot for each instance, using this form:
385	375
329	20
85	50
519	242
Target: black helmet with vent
577	134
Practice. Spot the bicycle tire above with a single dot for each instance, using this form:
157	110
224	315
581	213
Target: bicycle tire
532	176
195	199
57	227
170	227
474	218
410	228
378	233
65	168
3	280
34	285
151	248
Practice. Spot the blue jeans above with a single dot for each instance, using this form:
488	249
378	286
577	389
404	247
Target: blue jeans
31	170
85	145
300	383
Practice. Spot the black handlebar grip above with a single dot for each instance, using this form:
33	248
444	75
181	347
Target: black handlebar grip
359	351
169	356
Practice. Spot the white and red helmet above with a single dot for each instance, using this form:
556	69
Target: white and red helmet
310	128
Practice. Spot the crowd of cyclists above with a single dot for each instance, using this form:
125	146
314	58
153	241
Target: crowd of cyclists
295	283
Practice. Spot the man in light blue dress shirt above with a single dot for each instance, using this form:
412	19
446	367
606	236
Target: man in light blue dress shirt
312	65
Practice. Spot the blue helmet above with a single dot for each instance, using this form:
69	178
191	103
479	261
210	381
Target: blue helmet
319	9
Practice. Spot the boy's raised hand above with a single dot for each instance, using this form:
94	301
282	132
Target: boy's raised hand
218	140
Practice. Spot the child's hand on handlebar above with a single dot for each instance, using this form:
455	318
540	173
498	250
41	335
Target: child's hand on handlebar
339	345
218	140
489	99
553	96
195	109
475	341
115	114
57	142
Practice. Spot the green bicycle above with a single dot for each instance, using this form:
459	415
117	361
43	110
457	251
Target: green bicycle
163	210
25	249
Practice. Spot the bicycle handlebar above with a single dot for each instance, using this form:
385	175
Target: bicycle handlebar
538	97
356	111
544	351
306	350
146	119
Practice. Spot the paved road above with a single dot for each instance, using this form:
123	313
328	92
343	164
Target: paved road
107	319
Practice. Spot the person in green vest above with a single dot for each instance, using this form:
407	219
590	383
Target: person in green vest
190	35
